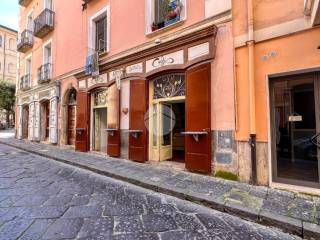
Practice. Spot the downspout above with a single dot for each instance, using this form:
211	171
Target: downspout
252	106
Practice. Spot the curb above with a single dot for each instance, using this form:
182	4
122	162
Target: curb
286	224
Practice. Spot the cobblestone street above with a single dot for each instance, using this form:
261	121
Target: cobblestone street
44	199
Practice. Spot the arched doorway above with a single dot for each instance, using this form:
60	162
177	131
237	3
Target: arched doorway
71	119
25	121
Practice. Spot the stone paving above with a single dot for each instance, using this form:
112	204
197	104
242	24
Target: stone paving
294	213
45	199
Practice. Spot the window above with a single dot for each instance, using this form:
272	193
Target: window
163	13
30	22
101	35
47	54
28	66
99	31
0	41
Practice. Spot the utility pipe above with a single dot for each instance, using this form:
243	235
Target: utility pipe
252	105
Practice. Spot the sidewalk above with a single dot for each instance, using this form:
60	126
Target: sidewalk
294	213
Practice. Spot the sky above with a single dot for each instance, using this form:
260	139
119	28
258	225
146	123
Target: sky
9	11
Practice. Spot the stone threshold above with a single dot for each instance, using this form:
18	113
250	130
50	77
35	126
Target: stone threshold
293	213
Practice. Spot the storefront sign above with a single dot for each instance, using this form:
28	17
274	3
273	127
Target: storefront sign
165	60
136	68
198	51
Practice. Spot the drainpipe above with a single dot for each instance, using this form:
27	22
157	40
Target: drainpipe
250	44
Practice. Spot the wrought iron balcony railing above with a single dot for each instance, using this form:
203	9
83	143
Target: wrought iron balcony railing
25	82
25	41
45	73
44	23
24	3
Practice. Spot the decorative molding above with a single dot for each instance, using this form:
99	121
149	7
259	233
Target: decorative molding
137	54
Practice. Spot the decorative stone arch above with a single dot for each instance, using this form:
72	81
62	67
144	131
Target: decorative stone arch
70	92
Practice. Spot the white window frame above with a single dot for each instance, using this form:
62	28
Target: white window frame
45	4
25	67
28	15
149	16
49	42
92	28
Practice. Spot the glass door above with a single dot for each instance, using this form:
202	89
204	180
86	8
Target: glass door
295	125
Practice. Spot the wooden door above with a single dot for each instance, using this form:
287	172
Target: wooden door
138	136
71	132
82	130
47	119
198	126
113	123
25	121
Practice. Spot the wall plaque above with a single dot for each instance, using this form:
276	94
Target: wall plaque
101	79
198	51
136	68
82	84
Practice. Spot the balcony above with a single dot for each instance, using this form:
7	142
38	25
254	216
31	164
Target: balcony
25	41
44	23
25	82
24	3
45	73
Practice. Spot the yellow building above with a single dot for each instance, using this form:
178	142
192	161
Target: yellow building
8	54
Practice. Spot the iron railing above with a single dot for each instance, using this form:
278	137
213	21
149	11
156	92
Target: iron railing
45	73
44	23
25	82
25	41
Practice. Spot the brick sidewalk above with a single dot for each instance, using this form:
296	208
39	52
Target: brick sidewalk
294	213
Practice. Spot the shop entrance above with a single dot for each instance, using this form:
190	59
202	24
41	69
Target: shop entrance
295	127
168	142
99	137
25	121
45	120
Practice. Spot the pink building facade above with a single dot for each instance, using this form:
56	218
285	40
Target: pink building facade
148	80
